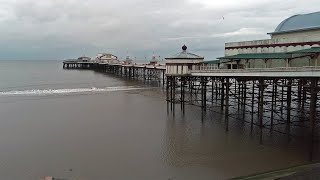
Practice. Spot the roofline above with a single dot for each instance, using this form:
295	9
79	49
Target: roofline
284	21
185	58
295	30
275	45
212	62
232	56
284	53
306	51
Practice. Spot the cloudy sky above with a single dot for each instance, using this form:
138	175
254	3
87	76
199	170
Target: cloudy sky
60	29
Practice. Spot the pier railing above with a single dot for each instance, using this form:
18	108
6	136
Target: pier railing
308	71
278	69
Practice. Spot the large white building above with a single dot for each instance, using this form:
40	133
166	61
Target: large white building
298	32
183	62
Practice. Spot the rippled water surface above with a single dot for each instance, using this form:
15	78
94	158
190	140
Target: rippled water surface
79	124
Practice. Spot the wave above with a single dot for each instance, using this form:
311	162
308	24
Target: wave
34	92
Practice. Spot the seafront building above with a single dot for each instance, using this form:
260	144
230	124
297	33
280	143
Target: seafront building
183	62
294	43
107	58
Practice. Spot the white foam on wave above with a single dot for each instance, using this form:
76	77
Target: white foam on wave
34	92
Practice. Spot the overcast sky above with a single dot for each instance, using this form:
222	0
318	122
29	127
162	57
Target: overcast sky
61	29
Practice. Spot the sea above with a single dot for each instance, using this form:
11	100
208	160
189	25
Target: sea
87	125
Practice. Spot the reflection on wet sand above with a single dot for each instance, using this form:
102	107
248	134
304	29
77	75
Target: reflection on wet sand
192	142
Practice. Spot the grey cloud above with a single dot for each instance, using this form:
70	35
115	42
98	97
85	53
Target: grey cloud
70	28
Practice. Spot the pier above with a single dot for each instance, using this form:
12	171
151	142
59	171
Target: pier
279	99
131	71
283	100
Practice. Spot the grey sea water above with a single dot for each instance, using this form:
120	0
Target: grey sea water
84	125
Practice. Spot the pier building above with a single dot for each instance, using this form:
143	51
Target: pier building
154	60
291	45
128	61
183	62
84	59
107	58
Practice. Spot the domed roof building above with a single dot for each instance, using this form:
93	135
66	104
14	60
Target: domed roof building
184	54
183	62
300	22
298	33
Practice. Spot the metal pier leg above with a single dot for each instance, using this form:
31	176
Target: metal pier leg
252	104
227	104
261	89
183	97
289	89
163	77
259	93
181	93
205	94
244	98
212	88
299	92
275	96
313	110
174	94
171	93
217	91
219	88
167	90
235	87
304	95
202	93
282	95
191	89
239	95
222	94
130	70
273	101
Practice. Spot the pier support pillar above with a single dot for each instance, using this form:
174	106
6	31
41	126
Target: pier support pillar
314	89
282	96
252	103
260	104
261	101
173	93
167	90
222	94
289	90
274	99
203	83
304	95
163	77
227	104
